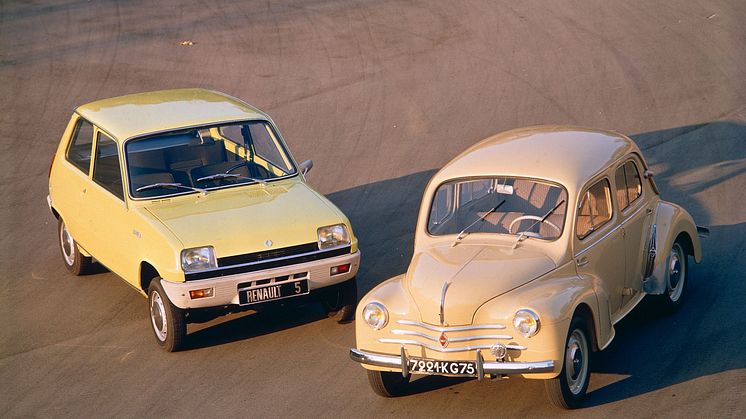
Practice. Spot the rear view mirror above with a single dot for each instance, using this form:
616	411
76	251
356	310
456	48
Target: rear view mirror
306	166
504	189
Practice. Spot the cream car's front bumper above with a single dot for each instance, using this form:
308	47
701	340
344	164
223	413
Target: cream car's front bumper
225	288
401	363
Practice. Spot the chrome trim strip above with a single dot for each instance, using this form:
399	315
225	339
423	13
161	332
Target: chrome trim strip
446	350
610	232
443	301
396	362
259	262
451	328
458	339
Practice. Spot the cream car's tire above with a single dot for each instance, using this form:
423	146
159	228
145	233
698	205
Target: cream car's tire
387	384
167	321
568	389
676	277
341	304
74	261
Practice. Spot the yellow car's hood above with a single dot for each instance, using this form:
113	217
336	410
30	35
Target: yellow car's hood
477	273
245	219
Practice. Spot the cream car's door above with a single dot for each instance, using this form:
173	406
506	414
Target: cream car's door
599	246
636	213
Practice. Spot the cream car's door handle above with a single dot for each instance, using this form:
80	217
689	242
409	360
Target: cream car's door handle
582	261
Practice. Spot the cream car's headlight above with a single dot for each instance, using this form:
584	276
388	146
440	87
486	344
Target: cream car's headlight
198	258
375	315
333	236
526	322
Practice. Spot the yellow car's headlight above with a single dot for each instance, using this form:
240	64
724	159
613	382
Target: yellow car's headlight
375	315
198	258
526	322
333	236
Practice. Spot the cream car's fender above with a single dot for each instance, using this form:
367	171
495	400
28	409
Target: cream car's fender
671	222
556	297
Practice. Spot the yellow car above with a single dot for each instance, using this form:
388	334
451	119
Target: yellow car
192	197
529	247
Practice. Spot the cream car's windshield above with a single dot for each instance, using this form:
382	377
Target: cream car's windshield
498	205
204	158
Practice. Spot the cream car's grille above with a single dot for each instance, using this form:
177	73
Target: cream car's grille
449	338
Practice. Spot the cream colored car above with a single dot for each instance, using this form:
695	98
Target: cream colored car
192	197
529	247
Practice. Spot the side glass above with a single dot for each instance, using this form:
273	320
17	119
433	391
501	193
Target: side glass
79	150
106	170
594	210
628	184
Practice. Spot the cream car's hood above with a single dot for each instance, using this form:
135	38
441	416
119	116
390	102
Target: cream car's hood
476	273
242	220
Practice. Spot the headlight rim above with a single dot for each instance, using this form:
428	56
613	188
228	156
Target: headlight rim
384	312
533	316
188	268
346	240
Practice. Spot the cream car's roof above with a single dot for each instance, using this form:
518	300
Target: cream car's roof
144	113
564	154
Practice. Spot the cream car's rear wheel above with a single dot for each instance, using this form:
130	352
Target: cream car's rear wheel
74	261
167	321
387	384
568	389
676	276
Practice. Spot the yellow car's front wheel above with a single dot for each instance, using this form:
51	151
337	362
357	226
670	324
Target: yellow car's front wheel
168	321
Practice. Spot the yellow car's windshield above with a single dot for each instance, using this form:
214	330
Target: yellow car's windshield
204	158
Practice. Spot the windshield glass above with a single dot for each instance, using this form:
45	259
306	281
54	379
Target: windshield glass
205	158
498	205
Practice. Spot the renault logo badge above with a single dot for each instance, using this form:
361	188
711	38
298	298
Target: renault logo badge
443	339
268	243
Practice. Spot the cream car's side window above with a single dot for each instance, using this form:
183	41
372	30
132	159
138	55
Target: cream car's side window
594	210
106	170
79	151
628	184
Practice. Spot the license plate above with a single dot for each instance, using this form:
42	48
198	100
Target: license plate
431	366
273	292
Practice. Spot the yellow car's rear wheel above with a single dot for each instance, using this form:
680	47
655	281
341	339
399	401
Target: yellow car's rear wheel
74	261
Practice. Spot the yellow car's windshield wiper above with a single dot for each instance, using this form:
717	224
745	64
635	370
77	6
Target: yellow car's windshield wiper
463	232
170	185
219	176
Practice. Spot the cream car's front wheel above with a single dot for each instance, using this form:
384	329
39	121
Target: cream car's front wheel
387	384
75	261
568	389
168	321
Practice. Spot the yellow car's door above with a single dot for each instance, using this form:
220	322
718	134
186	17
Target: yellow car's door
106	211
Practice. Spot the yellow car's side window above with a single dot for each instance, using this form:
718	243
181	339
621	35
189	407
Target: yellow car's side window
79	150
106	170
594	209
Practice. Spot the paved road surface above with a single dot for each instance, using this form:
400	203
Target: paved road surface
379	94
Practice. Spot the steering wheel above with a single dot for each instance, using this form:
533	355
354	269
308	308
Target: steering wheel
531	217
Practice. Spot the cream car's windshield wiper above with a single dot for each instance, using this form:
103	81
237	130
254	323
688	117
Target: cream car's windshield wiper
523	235
463	232
170	185
219	176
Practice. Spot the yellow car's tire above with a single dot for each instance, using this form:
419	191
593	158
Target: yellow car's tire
74	261
167	321
341	304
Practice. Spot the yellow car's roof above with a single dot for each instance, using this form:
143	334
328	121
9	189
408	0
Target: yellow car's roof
564	154
145	113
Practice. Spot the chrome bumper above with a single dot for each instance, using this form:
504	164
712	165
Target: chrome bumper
401	362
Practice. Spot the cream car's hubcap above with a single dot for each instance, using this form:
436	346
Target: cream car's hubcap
676	273
68	245
158	316
576	361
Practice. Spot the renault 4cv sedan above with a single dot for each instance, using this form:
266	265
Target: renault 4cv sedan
192	197
529	247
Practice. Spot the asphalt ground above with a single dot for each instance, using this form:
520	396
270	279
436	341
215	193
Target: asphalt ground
379	94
